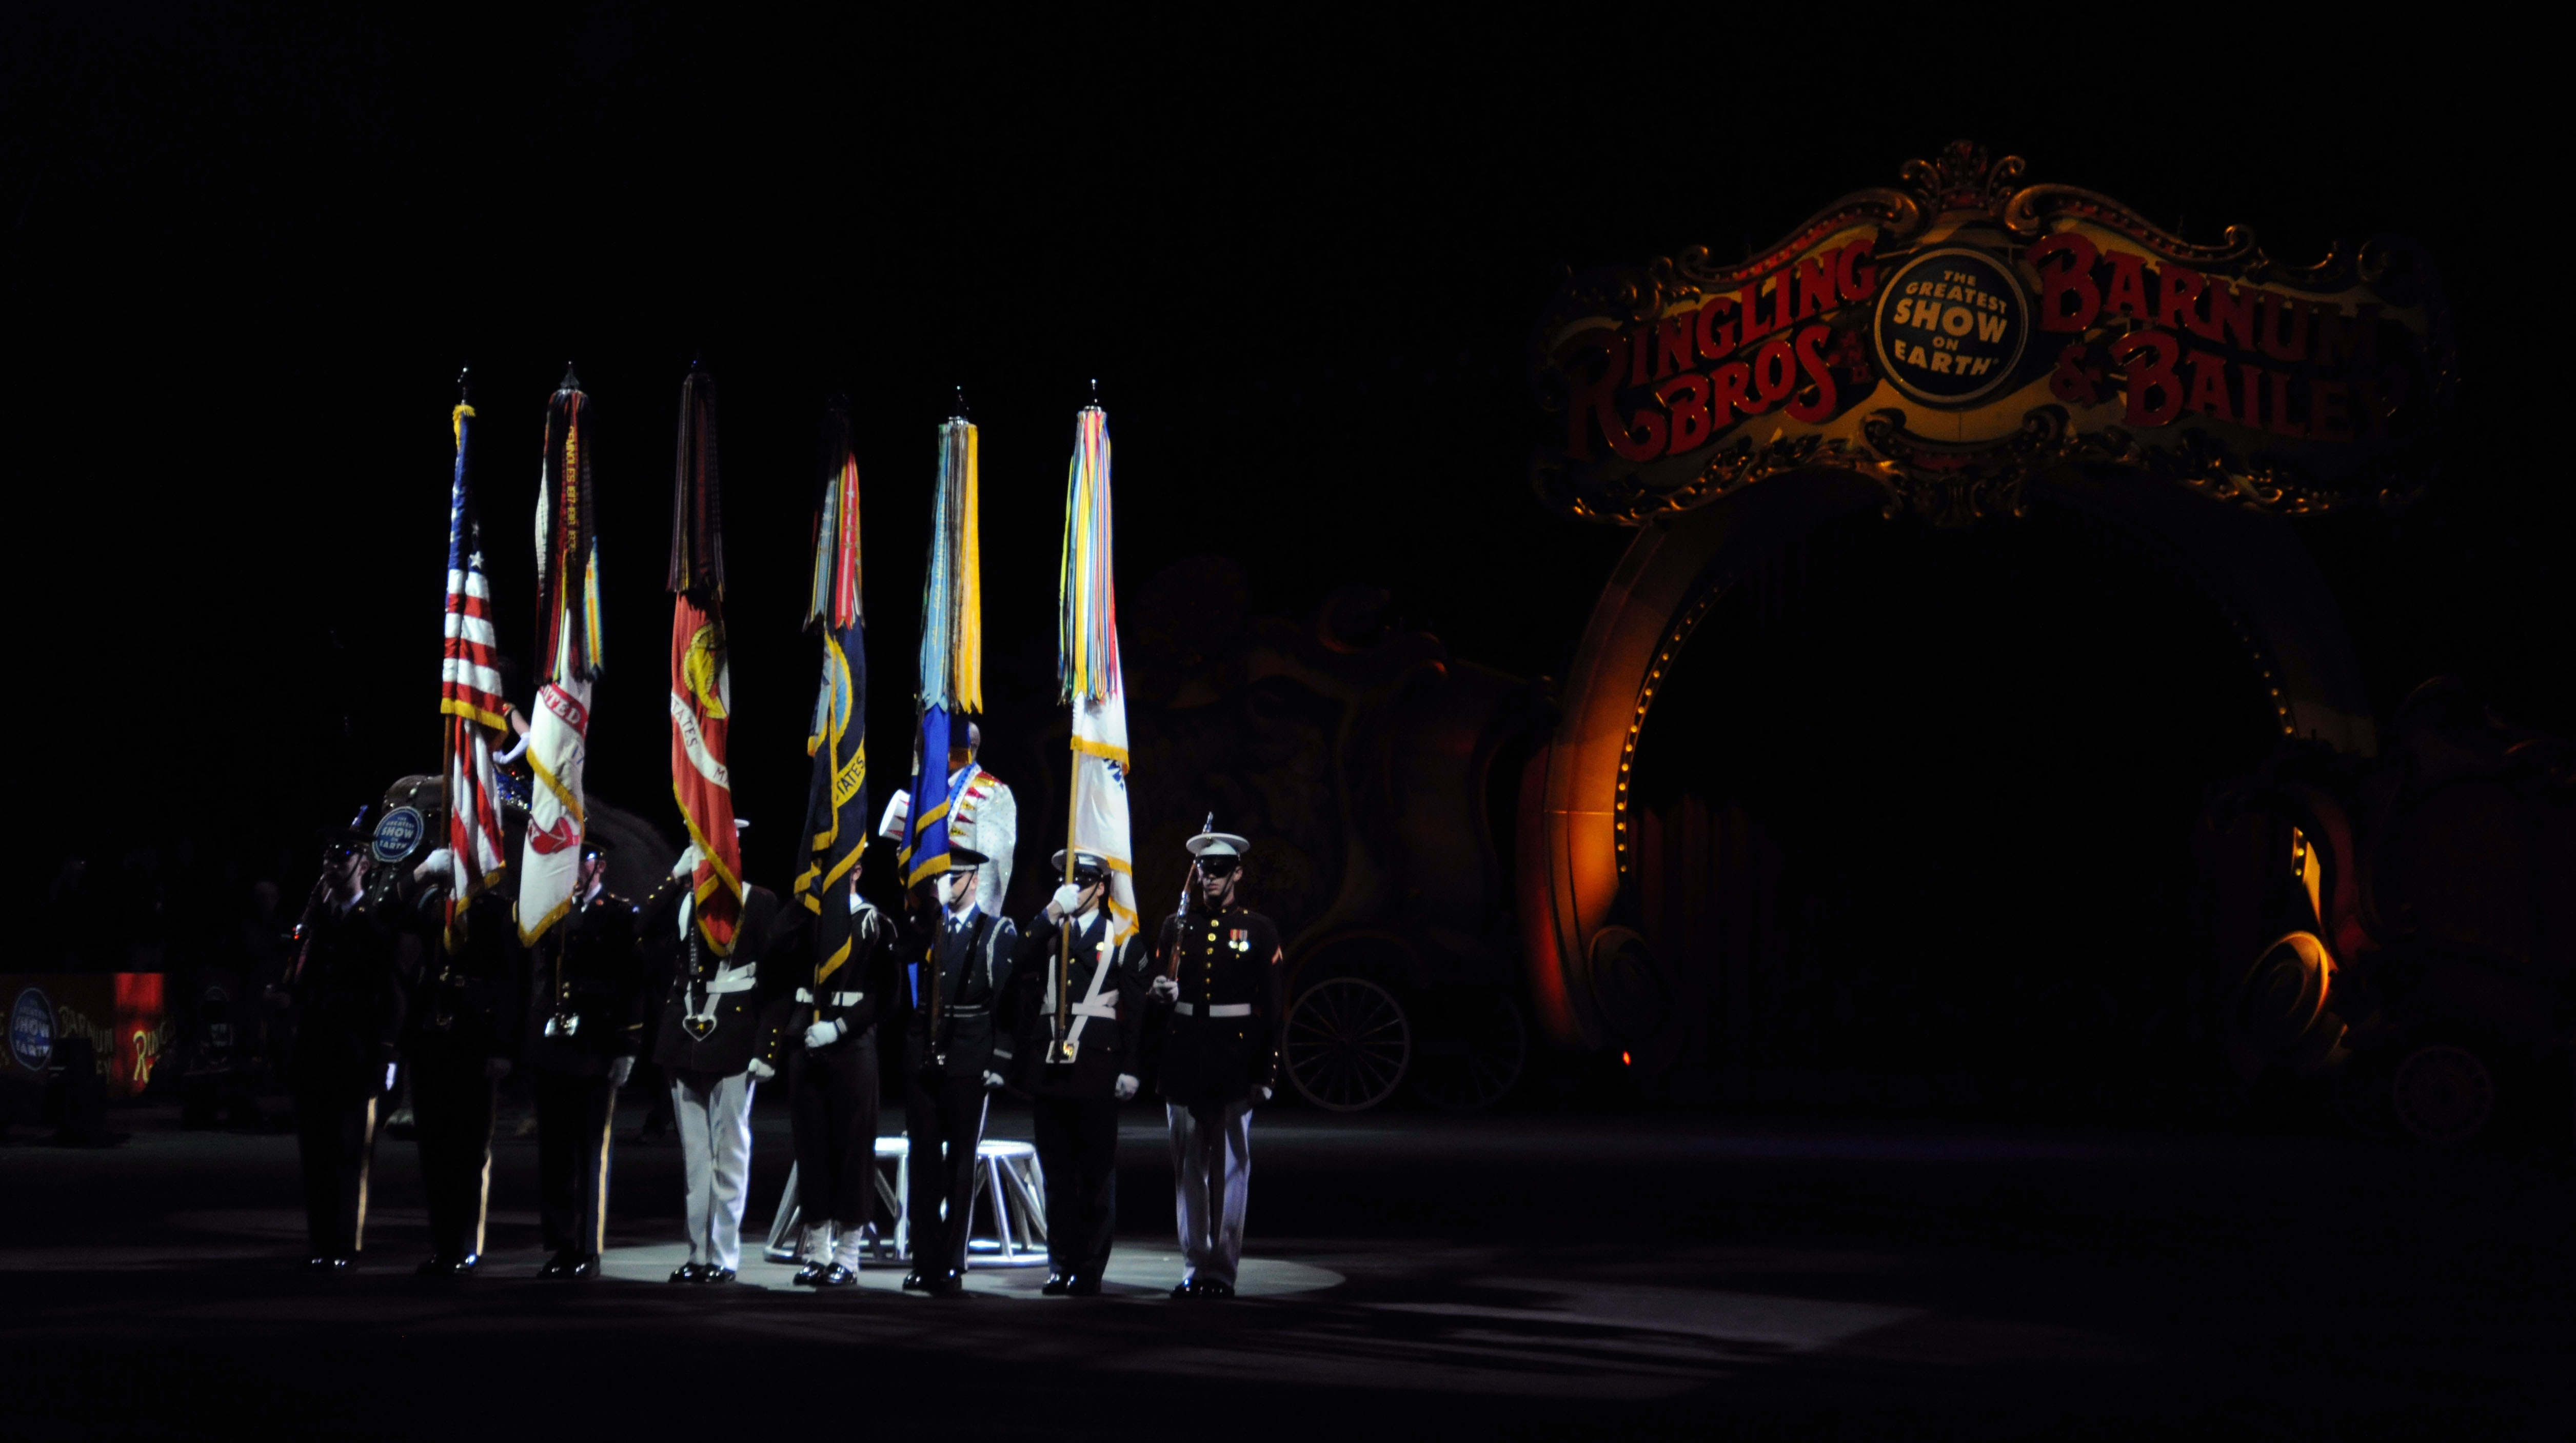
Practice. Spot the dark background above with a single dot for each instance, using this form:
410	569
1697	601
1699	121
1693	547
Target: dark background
247	254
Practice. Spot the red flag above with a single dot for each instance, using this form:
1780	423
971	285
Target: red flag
701	672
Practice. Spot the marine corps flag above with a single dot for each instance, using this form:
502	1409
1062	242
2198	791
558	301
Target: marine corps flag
836	805
701	673
952	648
568	651
1087	668
469	699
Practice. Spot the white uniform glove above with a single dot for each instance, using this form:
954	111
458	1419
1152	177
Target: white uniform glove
688	863
992	1080
1126	1087
390	1069
1163	989
436	866
496	1068
762	1071
824	1034
1060	906
1261	1094
620	1070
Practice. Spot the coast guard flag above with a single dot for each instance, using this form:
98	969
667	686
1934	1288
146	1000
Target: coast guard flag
836	803
470	699
702	670
1087	668
568	610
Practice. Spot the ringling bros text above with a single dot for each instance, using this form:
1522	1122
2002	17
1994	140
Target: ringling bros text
2172	343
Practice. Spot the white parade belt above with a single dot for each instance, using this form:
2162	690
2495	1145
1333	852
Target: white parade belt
1222	1009
701	1023
831	999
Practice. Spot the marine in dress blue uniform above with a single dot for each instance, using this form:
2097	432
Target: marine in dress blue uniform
1217	969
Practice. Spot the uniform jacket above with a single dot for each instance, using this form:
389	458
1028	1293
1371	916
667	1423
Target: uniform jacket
986	817
1224	1036
472	1002
972	970
857	993
1109	1009
602	983
347	992
722	1012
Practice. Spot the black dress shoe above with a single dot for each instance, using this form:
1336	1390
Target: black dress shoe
685	1273
948	1284
1211	1288
1189	1288
913	1283
1082	1287
570	1268
328	1263
809	1275
448	1265
1056	1283
836	1276
715	1275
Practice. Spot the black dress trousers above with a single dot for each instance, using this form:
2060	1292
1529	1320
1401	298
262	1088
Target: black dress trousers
335	1138
573	1115
944	1117
451	1103
832	1098
1077	1140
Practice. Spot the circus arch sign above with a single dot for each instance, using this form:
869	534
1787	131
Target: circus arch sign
1954	335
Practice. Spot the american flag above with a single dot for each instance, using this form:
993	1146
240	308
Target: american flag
470	699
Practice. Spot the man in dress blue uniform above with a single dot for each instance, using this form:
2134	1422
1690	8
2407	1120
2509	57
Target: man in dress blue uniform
1076	1058
358	950
1217	967
949	1061
461	1038
832	1085
585	1025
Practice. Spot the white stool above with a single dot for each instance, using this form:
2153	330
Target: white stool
1009	1230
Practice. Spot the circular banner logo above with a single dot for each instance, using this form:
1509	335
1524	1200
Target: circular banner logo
1951	326
397	833
31	1030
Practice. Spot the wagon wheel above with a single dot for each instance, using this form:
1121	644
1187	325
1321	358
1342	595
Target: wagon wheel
1472	1059
2443	1094
1347	1044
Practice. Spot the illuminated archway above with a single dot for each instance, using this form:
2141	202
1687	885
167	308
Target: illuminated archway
1591	979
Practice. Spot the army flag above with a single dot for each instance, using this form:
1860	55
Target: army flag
836	805
569	654
701	669
952	648
1087	670
469	698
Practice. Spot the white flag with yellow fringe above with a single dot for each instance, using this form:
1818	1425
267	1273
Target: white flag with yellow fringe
1087	667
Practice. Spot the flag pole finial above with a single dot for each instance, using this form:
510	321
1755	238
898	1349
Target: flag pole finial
464	386
960	413
571	381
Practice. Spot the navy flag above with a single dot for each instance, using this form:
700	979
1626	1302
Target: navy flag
836	803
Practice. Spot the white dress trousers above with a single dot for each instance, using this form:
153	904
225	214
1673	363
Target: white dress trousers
715	1147
1211	1172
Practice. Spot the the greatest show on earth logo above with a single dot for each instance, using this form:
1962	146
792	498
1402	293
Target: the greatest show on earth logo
1951	326
31	1030
398	833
